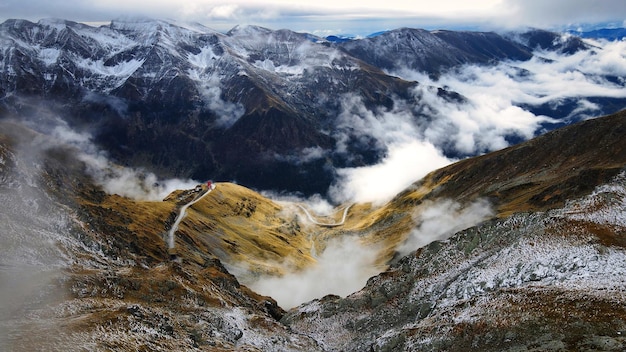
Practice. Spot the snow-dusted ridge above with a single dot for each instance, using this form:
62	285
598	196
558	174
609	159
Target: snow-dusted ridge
483	274
104	58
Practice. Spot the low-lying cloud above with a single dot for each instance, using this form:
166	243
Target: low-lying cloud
496	93
36	239
441	219
408	156
404	164
420	137
316	203
228	113
344	267
346	264
115	179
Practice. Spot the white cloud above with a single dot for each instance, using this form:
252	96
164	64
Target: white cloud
357	17
115	179
383	126
343	268
405	164
557	13
479	125
408	156
302	156
441	219
223	11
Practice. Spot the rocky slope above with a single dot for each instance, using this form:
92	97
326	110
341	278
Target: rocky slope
543	281
545	274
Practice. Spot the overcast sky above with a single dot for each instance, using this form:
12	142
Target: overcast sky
332	16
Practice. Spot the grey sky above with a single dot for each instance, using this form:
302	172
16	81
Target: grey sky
332	16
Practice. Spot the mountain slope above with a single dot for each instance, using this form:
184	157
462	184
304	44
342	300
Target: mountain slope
90	270
555	243
189	101
544	274
434	51
544	281
546	171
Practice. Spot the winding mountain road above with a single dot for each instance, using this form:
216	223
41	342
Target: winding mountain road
181	215
323	224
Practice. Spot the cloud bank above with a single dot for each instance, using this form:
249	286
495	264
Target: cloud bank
114	179
344	267
559	13
356	17
404	164
441	219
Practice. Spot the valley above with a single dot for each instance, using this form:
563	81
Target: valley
373	194
126	273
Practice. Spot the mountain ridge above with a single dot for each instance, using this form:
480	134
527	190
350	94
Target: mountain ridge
516	249
178	96
474	289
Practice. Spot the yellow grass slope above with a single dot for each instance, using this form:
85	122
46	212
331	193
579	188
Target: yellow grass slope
241	227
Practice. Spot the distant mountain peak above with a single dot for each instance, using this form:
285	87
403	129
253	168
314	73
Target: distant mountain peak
611	34
246	30
55	22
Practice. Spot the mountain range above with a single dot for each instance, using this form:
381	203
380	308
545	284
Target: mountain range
519	248
254	105
603	33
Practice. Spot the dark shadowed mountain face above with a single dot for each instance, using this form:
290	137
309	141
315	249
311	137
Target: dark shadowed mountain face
270	109
434	51
546	40
437	51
